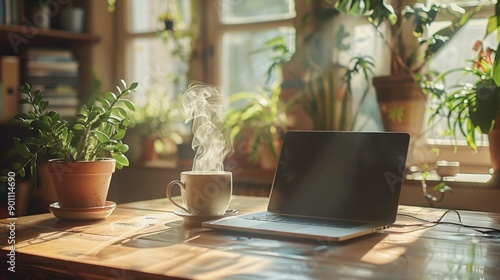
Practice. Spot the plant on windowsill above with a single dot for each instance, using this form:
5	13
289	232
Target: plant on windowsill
261	116
84	154
401	102
472	107
156	123
326	90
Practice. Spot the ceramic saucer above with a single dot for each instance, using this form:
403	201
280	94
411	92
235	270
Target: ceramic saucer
199	219
91	213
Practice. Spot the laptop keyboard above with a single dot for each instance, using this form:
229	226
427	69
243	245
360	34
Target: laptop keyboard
303	221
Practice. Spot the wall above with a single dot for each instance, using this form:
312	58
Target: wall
101	23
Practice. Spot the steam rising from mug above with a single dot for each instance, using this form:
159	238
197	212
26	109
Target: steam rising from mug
204	105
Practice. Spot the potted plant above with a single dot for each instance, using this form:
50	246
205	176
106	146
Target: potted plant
328	100
266	114
473	106
84	153
157	120
401	102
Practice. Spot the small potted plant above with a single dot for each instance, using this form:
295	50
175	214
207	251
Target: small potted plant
83	154
157	120
264	114
401	102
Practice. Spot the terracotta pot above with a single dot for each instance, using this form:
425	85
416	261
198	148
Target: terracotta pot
148	149
401	103
81	184
494	142
268	160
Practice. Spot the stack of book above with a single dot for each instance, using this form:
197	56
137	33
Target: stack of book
55	73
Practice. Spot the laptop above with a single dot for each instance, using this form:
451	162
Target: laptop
330	185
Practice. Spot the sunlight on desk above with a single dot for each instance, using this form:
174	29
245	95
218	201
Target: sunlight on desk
146	240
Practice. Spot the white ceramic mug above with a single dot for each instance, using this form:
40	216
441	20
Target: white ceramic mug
203	193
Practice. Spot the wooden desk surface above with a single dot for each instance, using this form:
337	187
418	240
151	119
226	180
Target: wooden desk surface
145	240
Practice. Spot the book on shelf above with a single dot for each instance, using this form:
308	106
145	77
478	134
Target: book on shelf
63	110
55	90
11	11
49	73
53	81
35	53
70	66
62	101
55	73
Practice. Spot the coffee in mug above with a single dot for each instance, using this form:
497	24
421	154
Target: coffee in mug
203	193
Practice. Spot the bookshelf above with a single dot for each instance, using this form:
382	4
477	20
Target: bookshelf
16	39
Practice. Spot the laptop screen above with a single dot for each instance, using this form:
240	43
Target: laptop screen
340	175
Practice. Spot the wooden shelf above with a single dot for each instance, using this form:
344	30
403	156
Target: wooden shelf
36	35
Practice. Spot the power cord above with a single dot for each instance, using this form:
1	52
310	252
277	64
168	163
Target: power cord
483	230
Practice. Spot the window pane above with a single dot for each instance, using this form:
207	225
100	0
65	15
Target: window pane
238	11
145	15
461	50
153	64
243	68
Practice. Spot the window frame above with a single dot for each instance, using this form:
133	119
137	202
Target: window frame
213	28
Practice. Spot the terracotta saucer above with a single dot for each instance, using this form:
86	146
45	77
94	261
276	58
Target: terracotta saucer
199	219
91	213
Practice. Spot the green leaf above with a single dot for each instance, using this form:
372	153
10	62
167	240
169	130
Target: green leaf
22	148
122	148
32	141
119	135
19	169
43	105
493	24
485	111
129	104
124	84
101	136
120	159
38	97
120	111
496	63
38	124
106	104
34	174
111	97
78	126
133	86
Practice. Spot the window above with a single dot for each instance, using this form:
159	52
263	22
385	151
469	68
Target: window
237	30
153	55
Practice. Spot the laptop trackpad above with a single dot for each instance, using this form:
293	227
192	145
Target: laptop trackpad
279	226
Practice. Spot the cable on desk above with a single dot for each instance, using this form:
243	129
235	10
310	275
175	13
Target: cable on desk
483	230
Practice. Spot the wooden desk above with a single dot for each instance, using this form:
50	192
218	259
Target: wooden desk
145	240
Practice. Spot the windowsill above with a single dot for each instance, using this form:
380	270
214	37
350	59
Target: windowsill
467	180
470	191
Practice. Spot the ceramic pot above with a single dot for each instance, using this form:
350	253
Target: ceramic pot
401	103
81	184
72	19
